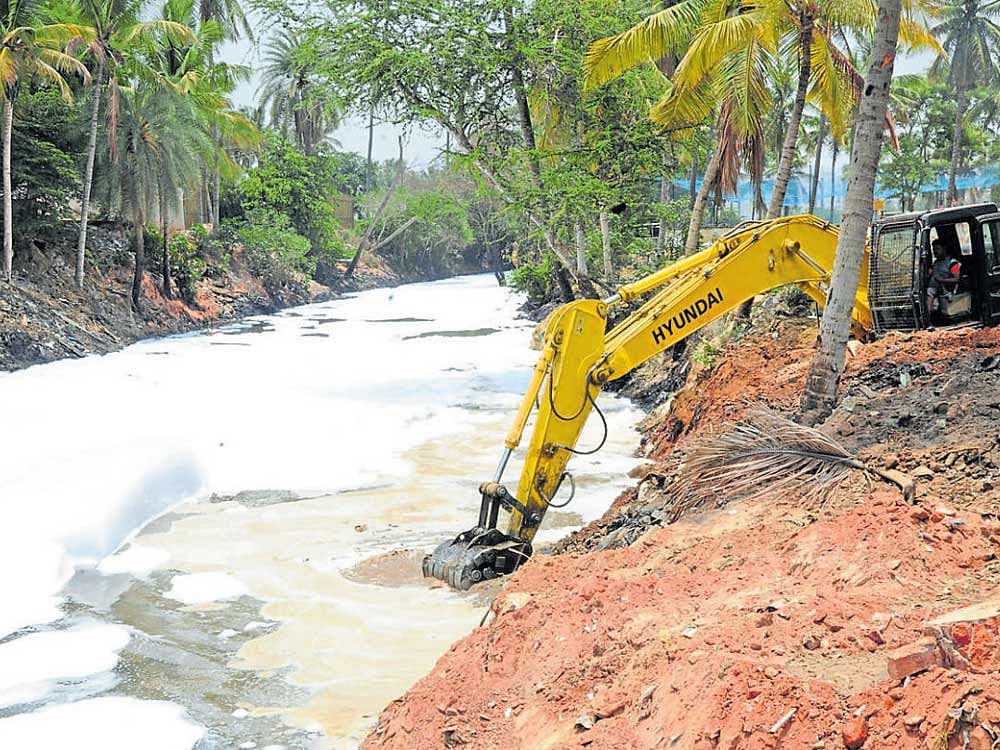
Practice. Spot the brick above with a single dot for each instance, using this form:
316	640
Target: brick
854	733
914	657
969	638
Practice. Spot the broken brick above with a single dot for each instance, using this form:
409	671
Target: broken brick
969	638
854	733
914	657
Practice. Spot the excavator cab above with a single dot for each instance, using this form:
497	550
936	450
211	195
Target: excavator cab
901	260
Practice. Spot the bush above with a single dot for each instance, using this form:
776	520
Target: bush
275	252
187	265
534	279
296	185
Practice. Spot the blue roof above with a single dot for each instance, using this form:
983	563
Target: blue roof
985	177
797	194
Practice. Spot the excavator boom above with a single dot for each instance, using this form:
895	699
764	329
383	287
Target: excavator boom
579	356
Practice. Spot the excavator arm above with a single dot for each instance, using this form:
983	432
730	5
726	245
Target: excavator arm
579	357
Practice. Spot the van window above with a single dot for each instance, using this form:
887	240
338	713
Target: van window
991	245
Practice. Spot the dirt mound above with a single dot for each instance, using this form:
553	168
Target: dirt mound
769	623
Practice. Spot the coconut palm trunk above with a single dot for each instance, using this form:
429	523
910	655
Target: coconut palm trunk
217	197
139	227
806	20
700	202
820	394
961	104
88	178
8	204
833	178
165	229
817	158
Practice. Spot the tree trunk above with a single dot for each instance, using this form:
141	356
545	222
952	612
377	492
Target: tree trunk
605	222
563	284
581	249
88	178
366	237
140	256
951	198
693	183
521	94
200	201
833	178
368	160
817	158
806	20
210	203
164	227
700	201
8	204
217	199
820	394
661	237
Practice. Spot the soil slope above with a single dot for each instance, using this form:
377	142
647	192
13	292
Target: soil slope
768	623
43	317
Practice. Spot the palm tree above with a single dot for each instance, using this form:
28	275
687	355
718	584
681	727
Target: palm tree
970	34
29	49
155	148
820	395
118	35
234	24
707	32
199	87
297	105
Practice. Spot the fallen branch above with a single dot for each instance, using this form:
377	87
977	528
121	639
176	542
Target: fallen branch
767	454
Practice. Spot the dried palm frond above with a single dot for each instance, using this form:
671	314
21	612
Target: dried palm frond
765	453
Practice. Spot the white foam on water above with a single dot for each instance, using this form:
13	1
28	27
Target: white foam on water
137	560
111	723
202	588
95	448
29	665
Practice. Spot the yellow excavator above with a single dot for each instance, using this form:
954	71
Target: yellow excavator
579	356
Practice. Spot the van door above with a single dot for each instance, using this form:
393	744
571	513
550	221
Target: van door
892	270
990	278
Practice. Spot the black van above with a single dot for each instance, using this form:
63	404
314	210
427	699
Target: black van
900	265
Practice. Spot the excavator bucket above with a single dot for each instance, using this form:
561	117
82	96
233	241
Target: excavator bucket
476	555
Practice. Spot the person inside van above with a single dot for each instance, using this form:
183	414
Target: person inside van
943	271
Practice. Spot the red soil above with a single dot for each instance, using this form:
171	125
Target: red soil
764	624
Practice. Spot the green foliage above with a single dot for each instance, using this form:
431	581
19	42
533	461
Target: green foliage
187	264
430	229
706	354
275	252
905	170
45	144
288	182
153	236
200	233
534	279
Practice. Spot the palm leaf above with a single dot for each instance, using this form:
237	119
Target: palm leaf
8	67
764	454
651	39
712	43
683	109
